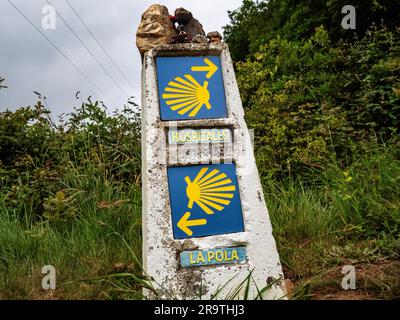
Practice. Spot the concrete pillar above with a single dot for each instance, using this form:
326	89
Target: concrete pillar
188	251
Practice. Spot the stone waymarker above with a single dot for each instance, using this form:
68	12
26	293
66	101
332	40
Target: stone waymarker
205	223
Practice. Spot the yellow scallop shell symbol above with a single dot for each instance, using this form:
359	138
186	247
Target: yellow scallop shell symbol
210	191
187	95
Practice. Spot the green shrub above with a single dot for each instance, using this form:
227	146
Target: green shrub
309	100
255	23
37	155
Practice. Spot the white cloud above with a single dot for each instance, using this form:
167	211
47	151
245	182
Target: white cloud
29	63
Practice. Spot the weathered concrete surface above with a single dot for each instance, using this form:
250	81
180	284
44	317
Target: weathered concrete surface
160	250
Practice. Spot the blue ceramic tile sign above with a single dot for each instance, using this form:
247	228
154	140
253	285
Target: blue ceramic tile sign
191	88
205	200
213	257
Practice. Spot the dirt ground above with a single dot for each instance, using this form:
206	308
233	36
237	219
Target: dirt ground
374	281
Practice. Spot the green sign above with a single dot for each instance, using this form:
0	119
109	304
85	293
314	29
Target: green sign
194	136
213	257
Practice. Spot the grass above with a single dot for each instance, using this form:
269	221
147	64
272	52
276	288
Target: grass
318	228
86	247
76	205
342	217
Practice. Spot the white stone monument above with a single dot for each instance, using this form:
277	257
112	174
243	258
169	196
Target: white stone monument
206	227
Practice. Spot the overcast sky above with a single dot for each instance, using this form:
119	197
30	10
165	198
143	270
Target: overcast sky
29	63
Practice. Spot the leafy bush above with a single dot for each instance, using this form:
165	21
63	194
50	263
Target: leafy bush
37	156
255	23
311	102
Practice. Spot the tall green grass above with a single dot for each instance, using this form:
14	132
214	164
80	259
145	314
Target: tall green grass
72	199
83	248
341	214
337	209
362	198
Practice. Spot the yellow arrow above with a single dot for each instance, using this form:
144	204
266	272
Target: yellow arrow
211	68
184	223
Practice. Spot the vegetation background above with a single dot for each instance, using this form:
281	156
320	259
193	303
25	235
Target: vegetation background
325	106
